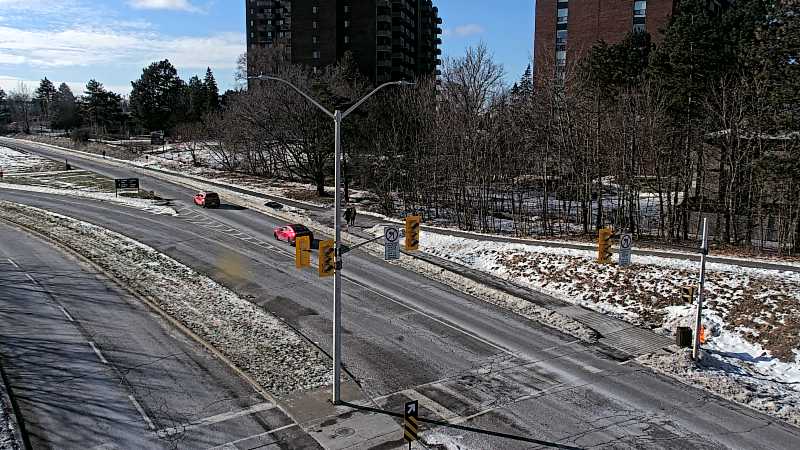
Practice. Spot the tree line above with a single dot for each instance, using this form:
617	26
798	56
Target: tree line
646	137
159	101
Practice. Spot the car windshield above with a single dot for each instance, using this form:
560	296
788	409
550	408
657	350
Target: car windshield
212	195
299	229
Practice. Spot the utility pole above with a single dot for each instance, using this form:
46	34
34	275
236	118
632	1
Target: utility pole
698	321
337	116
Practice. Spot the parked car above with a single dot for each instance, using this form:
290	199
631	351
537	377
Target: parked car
290	233
207	199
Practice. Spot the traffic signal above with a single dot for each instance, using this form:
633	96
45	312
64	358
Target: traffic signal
327	258
604	246
302	252
687	294
412	233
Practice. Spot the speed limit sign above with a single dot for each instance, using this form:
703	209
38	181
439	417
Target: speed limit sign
625	247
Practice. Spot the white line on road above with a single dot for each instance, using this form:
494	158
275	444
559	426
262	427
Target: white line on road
97	351
215	419
67	314
232	444
142	413
12	262
30	278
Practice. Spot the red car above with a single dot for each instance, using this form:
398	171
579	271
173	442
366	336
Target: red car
290	233
207	199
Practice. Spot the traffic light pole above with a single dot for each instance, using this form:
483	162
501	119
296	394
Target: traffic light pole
337	116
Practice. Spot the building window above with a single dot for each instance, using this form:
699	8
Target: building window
561	58
315	9
347	39
561	37
639	28
314	24
562	15
316	54
347	8
640	8
347	24
314	39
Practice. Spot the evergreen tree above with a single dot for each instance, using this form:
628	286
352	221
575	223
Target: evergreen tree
4	113
159	98
212	91
101	109
45	95
198	99
65	109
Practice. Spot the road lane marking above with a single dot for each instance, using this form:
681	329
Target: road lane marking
11	261
68	316
430	404
215	419
441	322
30	278
232	444
97	351
142	413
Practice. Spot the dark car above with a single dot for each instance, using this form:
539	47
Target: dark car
207	199
290	233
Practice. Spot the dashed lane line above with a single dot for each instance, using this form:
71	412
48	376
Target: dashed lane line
11	261
232	444
144	415
97	352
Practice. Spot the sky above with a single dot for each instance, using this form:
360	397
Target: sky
74	41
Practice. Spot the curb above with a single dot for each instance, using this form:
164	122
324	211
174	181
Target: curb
152	304
19	434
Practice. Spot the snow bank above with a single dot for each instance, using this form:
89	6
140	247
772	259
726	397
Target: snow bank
151	206
257	342
12	161
752	315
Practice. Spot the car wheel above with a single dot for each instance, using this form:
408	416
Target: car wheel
275	235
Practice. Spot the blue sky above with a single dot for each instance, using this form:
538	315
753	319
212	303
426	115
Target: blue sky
111	40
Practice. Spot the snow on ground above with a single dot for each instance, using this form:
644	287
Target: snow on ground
752	315
7	438
151	206
257	342
12	161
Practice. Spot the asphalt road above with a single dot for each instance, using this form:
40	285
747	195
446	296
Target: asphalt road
92	367
409	337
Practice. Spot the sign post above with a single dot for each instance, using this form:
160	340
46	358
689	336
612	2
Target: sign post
391	243
410	424
625	248
126	184
698	321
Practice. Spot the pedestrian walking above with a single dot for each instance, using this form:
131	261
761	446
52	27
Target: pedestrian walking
347	216
352	216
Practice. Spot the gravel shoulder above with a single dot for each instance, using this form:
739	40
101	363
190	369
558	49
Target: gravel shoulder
271	353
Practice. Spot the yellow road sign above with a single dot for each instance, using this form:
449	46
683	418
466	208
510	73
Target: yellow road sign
410	424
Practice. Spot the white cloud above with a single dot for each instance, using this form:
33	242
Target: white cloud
176	5
463	31
96	46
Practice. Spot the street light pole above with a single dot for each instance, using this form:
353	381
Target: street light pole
337	274
337	116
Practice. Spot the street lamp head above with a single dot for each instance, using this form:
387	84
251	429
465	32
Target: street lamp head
406	83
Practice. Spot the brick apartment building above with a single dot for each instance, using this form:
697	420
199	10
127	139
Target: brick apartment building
567	29
389	39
